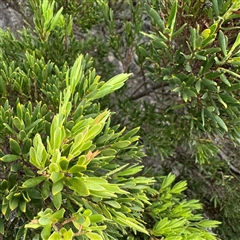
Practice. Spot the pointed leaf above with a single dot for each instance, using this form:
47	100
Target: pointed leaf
9	158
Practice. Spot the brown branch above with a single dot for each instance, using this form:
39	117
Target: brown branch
67	221
79	231
147	91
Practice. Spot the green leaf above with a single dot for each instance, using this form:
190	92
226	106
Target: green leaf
198	86
92	185
206	33
106	212
18	123
68	234
21	232
58	214
26	146
78	185
224	79
93	131
84	146
222	42
103	194
34	193
57	138
57	200
56	18
177	32
179	187
64	163
234	46
10	129
76	73
188	68
12	179
132	224
23	206
45	233
155	16
13	203
19	111
116	170
96	218
234	61
142	51
167	181
87	222
46	190
121	144
200	57
55	236
159	226
171	21
130	133
53	167
221	101
198	42
221	123
14	147
56	176
57	187
4	184
209	223
22	135
120	78
9	158
113	204
77	169
32	225
94	236
210	85
228	98
233	87
110	86
87	213
27	119
130	171
215	7
1	226
32	125
108	152
32	182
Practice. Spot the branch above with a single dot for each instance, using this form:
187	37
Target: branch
147	91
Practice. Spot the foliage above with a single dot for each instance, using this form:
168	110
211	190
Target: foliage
174	217
67	172
207	88
185	92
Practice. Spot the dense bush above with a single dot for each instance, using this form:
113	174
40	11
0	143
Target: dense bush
184	93
70	169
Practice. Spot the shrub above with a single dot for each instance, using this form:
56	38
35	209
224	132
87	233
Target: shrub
67	172
184	93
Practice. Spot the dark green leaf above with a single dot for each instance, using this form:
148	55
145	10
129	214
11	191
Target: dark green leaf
9	158
14	147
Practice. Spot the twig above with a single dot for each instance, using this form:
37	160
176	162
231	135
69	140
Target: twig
147	91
